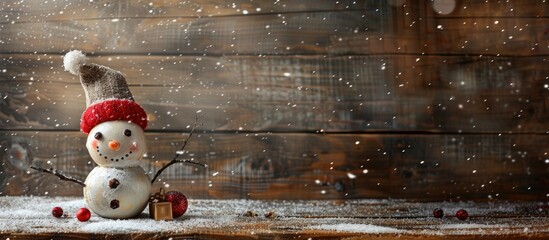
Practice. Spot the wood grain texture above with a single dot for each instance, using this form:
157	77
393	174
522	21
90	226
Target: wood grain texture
57	11
332	100
325	29
265	34
301	93
303	166
289	233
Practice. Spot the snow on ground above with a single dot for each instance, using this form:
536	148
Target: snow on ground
33	215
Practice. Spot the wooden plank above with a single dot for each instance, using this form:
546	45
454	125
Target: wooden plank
225	219
478	36
58	11
15	11
260	34
303	166
374	28
490	36
308	34
473	9
305	93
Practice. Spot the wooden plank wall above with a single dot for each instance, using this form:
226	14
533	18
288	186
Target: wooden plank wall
331	100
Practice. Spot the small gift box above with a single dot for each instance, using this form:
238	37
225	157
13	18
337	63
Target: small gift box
159	208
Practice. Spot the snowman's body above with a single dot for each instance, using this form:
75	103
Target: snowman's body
117	192
118	187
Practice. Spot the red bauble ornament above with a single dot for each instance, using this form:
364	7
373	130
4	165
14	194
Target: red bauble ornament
83	214
462	214
57	212
438	213
179	203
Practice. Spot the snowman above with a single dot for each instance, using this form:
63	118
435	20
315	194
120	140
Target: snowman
118	187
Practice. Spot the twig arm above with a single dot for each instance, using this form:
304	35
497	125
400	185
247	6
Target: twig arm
59	175
177	161
180	152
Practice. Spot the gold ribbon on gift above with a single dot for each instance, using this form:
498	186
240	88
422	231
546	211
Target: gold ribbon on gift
159	196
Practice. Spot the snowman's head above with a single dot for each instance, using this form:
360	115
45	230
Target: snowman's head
113	121
116	144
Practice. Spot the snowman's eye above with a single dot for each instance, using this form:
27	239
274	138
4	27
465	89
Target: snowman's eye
98	135
127	132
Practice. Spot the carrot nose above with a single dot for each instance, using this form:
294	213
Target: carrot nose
114	145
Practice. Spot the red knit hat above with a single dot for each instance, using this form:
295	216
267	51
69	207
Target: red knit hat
108	97
112	110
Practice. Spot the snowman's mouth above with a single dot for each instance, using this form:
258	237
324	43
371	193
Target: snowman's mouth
111	158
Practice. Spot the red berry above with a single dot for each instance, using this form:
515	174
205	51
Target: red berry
57	212
462	214
83	214
438	213
179	203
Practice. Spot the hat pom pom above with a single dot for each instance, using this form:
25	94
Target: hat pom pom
73	60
